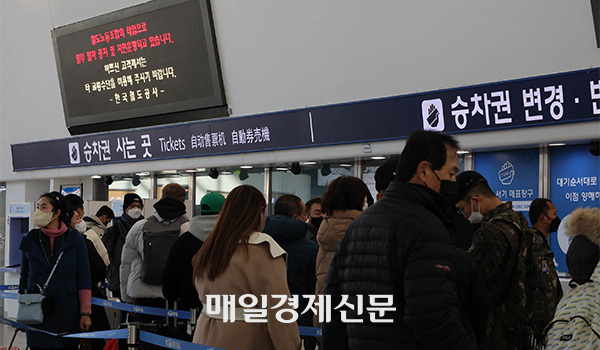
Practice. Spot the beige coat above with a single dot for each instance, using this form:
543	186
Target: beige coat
261	272
330	233
332	229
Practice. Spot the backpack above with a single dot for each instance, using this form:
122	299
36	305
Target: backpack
158	240
576	324
542	282
532	295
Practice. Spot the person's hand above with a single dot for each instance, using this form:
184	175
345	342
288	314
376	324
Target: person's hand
85	322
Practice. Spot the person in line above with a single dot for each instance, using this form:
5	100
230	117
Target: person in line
139	284
99	222
238	259
583	225
544	220
400	249
574	325
343	201
115	236
178	281
495	249
474	301
384	175
315	217
288	229
68	292
98	262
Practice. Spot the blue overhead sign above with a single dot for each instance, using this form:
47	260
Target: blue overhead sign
512	175
560	98
574	183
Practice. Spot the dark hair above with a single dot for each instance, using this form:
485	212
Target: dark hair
310	203
482	189
385	174
105	210
74	202
239	218
424	145
288	205
538	207
57	201
344	193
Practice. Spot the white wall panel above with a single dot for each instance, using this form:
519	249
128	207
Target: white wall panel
278	55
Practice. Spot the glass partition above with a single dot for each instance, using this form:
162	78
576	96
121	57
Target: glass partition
311	182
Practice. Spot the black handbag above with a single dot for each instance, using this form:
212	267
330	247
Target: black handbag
31	306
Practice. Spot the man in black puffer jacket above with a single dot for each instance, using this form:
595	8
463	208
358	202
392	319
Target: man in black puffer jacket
400	247
288	229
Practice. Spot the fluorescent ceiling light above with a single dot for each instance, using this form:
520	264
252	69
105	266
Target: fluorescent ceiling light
308	163
556	144
378	157
143	173
246	167
345	165
462	152
96	177
282	169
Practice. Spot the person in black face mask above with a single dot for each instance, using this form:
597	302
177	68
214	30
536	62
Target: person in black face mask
543	217
315	217
544	220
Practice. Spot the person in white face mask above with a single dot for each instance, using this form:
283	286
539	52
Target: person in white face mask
53	244
114	238
98	262
495	248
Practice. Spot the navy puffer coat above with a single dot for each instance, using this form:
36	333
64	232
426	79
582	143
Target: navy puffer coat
290	234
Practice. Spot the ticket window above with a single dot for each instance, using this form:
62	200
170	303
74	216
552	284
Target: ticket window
224	180
309	180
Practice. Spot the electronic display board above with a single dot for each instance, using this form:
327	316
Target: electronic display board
154	63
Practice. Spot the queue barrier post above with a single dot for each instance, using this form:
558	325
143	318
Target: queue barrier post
194	313
133	336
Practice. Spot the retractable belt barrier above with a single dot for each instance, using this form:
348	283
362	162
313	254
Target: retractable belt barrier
147	310
147	337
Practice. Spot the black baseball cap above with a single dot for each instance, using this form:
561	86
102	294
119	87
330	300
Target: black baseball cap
466	181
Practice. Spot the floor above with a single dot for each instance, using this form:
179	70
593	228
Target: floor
6	334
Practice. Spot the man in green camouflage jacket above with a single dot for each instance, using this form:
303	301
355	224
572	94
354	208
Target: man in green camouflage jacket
496	249
544	220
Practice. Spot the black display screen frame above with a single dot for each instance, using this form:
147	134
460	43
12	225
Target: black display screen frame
88	114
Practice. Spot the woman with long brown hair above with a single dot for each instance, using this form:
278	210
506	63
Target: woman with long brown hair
238	259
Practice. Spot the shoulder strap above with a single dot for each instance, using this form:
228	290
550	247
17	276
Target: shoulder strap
43	289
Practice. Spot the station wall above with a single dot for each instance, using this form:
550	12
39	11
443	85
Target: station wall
283	55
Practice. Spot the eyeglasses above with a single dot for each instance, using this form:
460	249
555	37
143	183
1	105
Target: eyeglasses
461	210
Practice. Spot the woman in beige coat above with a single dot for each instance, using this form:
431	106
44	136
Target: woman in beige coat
344	200
237	259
